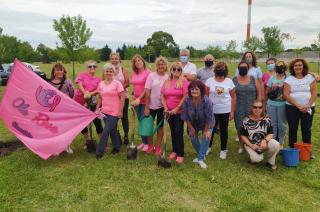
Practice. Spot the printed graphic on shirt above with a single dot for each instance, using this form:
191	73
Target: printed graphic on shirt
219	90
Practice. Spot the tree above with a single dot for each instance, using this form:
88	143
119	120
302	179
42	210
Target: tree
161	41
89	54
272	41
253	44
149	52
316	46
74	34
105	53
43	52
216	51
9	48
231	50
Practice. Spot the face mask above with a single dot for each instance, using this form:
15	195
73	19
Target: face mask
220	73
248	60
280	69
208	63
184	59
270	67
243	71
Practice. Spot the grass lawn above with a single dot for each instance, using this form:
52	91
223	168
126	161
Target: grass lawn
80	182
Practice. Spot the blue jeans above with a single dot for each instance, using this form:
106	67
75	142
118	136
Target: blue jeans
110	128
140	111
279	121
202	148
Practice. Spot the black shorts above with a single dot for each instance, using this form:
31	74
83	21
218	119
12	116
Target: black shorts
159	114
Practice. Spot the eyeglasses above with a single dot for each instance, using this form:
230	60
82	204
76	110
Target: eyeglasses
177	69
92	66
257	107
194	89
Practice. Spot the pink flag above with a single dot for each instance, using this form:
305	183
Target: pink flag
42	117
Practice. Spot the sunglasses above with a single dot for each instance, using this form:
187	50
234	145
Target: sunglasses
109	71
177	69
257	107
92	66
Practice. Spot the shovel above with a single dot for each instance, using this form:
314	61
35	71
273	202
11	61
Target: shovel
132	150
162	161
90	143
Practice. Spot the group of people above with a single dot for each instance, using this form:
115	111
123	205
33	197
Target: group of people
205	99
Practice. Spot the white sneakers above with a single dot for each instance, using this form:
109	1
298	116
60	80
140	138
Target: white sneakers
223	154
240	150
202	164
69	150
208	151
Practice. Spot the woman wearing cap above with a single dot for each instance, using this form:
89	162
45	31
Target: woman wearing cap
111	104
122	75
276	103
173	93
87	84
59	80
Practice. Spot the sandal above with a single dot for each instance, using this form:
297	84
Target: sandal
272	167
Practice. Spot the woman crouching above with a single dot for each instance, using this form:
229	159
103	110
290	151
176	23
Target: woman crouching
111	104
198	113
256	134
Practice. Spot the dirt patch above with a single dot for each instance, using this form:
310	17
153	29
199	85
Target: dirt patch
6	148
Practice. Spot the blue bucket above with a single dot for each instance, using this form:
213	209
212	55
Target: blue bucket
290	156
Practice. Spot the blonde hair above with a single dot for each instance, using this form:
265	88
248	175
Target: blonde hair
281	62
107	66
114	54
179	82
161	59
91	62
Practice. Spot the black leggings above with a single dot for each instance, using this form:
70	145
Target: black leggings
97	123
223	121
294	115
124	119
176	128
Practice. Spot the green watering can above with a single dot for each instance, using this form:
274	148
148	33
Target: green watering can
146	127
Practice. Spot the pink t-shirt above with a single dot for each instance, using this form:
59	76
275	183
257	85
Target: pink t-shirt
110	97
174	95
265	79
138	82
89	83
154	83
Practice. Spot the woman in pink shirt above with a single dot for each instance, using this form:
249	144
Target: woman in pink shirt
110	103
138	79
87	84
122	76
154	105
173	93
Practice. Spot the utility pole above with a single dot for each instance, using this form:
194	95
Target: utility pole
249	20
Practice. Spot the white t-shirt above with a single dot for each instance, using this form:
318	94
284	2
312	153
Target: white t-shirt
300	89
254	71
190	68
154	83
219	94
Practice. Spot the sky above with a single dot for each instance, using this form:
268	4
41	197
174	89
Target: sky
198	23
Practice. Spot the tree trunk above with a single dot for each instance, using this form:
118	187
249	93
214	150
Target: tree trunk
73	73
